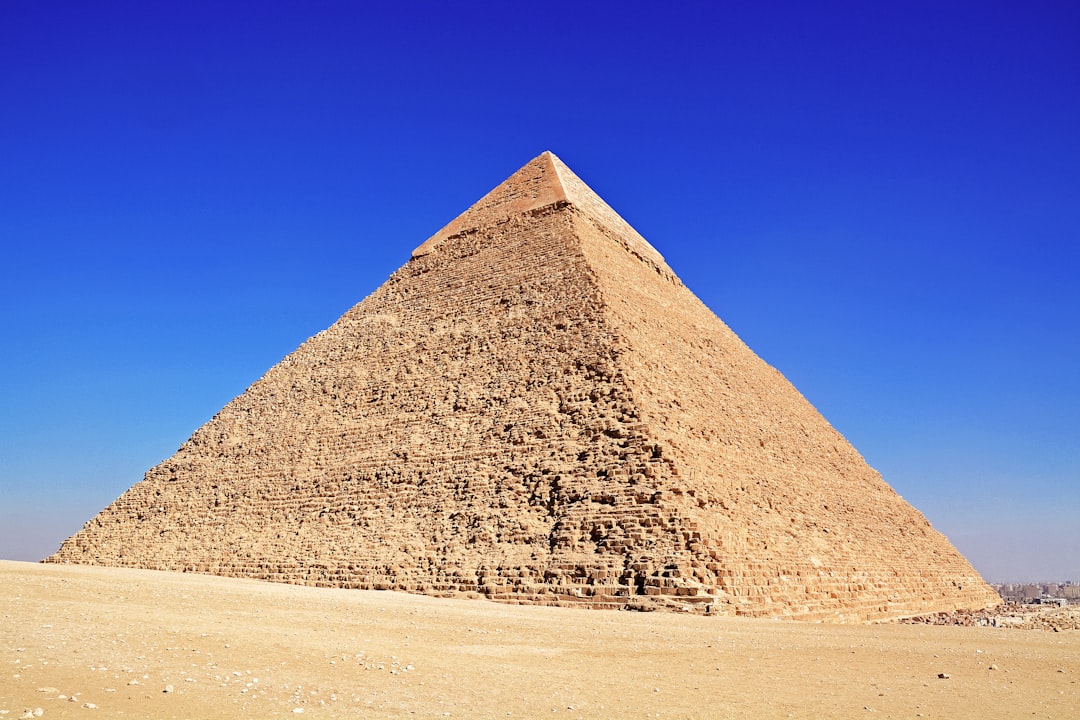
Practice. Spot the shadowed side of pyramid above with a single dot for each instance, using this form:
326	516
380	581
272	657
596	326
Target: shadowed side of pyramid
534	408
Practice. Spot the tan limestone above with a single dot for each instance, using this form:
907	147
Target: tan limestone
535	409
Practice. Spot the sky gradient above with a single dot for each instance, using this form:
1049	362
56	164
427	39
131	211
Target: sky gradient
882	201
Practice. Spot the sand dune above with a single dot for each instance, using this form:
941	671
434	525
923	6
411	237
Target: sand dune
87	642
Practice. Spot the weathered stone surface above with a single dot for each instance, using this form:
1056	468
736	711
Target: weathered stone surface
535	409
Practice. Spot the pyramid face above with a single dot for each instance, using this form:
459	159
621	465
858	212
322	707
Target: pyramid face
535	409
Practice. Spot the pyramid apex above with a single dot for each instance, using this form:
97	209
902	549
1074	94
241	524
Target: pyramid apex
535	185
544	181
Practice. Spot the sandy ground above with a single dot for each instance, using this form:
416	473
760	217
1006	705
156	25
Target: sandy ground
80	642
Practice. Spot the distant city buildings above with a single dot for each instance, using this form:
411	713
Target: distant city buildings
1045	593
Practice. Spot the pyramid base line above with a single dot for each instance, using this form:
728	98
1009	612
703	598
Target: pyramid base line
772	597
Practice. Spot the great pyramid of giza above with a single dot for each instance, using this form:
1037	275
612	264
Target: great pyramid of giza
535	409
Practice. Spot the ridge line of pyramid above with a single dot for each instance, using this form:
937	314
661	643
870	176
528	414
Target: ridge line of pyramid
557	184
589	203
554	162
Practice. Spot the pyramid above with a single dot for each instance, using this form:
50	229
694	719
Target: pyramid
535	409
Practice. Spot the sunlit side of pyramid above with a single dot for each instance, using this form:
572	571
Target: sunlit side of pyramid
534	408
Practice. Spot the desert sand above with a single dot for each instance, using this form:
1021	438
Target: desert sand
86	642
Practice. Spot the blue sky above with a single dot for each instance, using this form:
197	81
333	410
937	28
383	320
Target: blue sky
882	200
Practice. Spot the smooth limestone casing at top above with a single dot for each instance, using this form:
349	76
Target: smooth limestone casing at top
536	409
